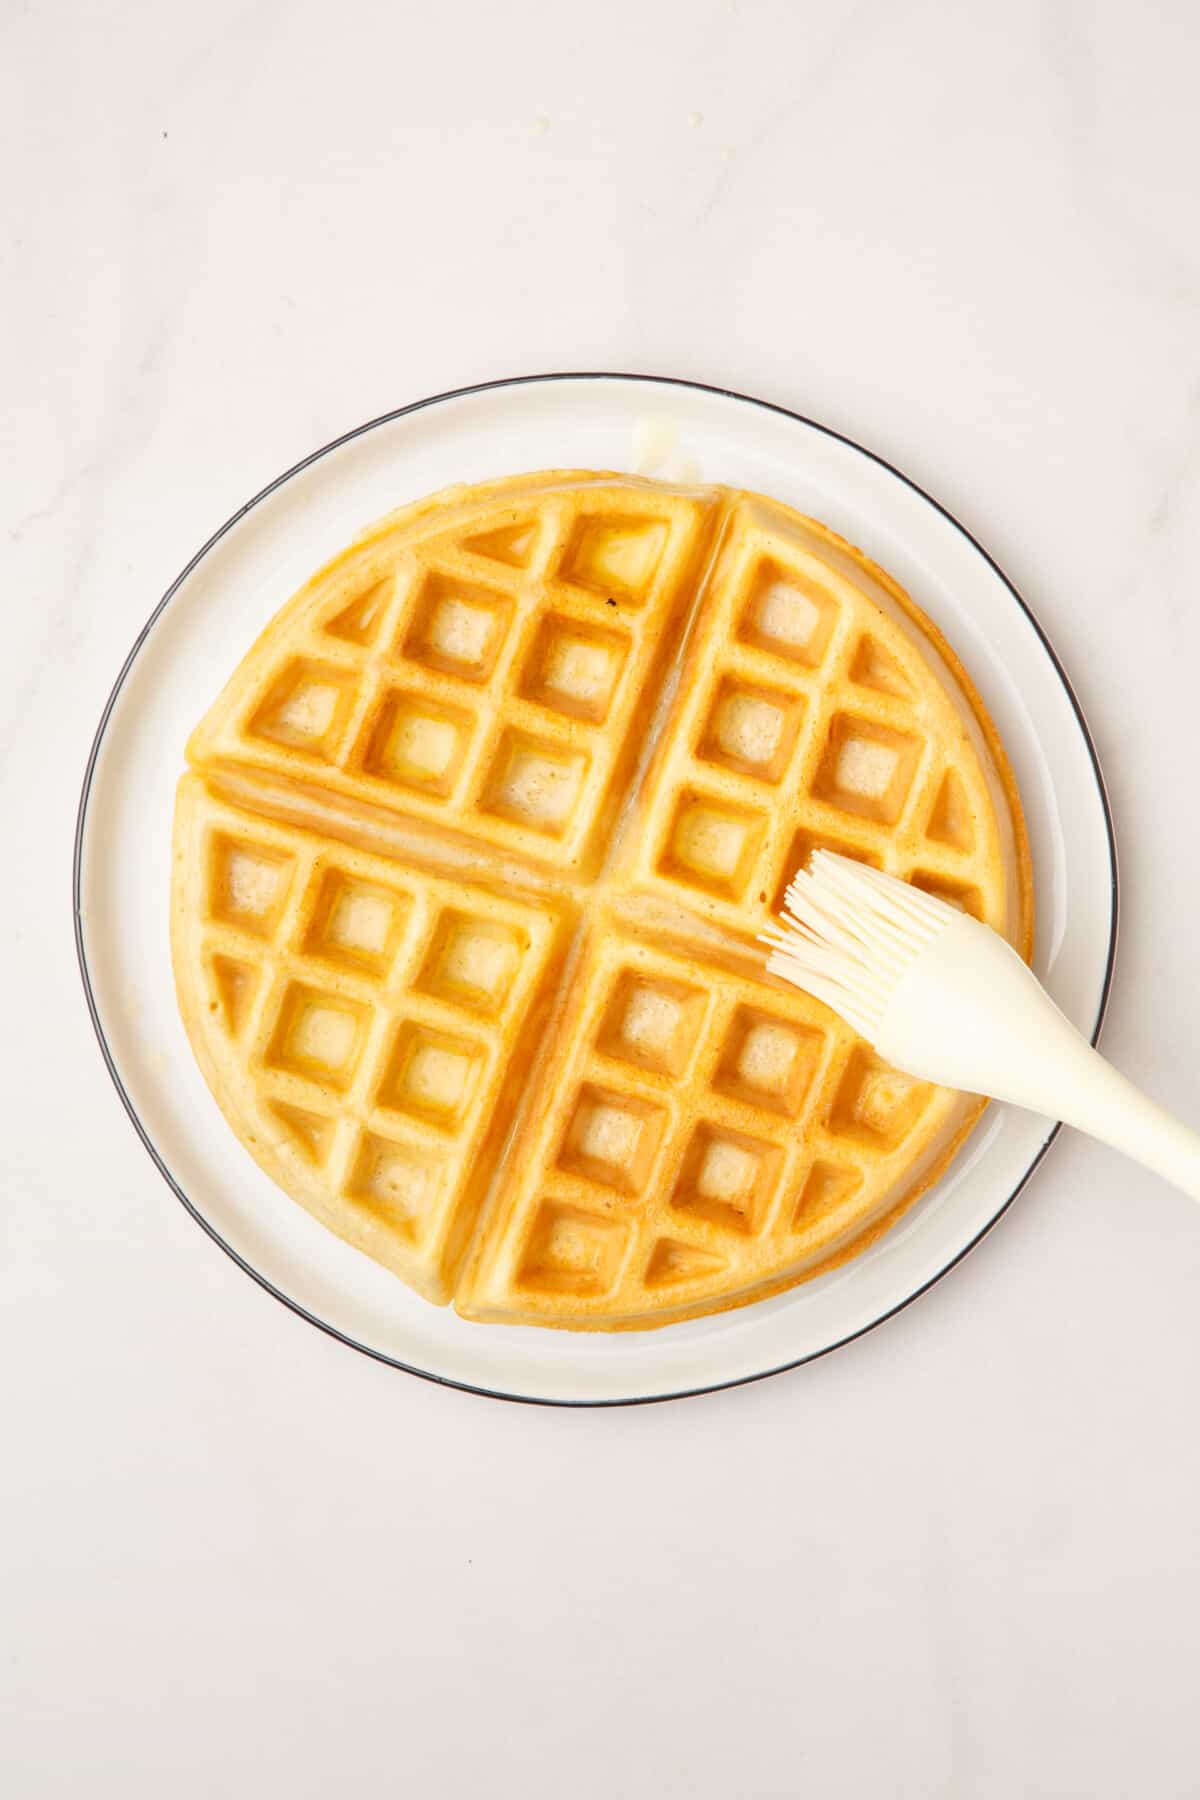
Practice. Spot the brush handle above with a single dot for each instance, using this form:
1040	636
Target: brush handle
969	1014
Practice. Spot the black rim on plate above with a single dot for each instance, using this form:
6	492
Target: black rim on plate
81	823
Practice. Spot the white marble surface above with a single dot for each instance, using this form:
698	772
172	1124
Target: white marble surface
959	1556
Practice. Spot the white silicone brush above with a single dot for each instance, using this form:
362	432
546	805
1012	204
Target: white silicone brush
946	999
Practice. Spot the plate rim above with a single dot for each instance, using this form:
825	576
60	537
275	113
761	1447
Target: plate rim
235	518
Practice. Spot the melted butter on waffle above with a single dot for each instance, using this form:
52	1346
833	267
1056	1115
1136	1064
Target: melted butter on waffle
469	866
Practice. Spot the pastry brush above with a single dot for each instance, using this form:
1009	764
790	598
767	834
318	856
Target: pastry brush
946	999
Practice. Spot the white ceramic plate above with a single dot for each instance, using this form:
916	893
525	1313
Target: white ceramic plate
200	630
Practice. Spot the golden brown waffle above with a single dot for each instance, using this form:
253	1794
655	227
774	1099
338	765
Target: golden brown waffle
482	670
362	1024
470	866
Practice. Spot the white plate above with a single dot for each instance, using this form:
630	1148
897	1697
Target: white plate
200	630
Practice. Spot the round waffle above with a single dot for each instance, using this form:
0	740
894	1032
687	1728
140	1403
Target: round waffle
469	866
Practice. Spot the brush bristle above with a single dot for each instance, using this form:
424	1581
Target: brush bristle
848	935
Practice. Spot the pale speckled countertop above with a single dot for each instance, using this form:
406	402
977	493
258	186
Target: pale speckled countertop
956	1558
